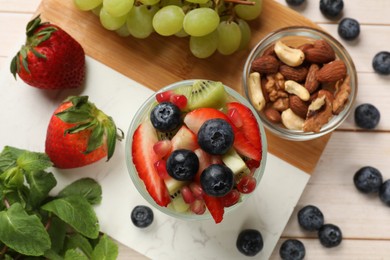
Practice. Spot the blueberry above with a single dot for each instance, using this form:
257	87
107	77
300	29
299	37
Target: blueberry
142	216
367	116
331	8
381	63
295	2
292	249
384	192
249	242
217	180
368	179
216	136
349	29
165	116
310	218
330	235
182	165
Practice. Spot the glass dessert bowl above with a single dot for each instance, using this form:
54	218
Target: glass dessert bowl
301	81
196	149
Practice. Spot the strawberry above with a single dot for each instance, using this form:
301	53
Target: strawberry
144	159
50	58
215	207
184	139
79	134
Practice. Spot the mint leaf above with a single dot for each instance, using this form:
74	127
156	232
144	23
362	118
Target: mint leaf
57	233
73	254
76	212
32	161
106	249
8	157
77	241
41	183
50	254
23	233
86	187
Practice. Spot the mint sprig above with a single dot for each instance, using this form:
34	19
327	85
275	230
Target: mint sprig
35	223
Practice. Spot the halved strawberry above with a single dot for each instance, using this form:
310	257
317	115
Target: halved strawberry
204	162
144	158
215	207
184	139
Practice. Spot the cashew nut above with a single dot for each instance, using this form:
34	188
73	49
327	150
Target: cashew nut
292	121
255	92
295	88
290	56
315	105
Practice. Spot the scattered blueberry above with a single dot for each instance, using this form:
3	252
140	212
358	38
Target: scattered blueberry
217	180
182	164
249	242
216	136
295	2
384	192
142	216
310	218
165	116
368	179
330	235
381	63
367	116
331	8
292	249
349	29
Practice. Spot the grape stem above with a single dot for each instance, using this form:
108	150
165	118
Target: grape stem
241	2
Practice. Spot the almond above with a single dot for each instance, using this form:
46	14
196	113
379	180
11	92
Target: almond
319	55
332	71
322	44
305	46
272	115
298	106
265	65
297	74
311	83
269	51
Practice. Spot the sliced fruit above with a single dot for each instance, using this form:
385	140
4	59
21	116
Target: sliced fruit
204	162
179	205
234	161
144	158
215	207
162	148
195	119
174	186
206	93
184	139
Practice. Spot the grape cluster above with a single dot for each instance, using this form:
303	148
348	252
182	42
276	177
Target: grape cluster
211	25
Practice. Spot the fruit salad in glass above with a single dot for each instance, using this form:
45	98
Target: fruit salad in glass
196	149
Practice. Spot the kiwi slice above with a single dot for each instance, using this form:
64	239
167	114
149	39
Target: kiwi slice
206	93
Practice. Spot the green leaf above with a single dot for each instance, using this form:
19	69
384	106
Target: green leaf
85	187
76	212
106	249
73	254
23	233
41	183
12	178
52	255
8	157
96	138
74	116
33	161
57	233
77	241
16	195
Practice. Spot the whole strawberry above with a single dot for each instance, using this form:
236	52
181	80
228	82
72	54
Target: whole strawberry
50	58
80	134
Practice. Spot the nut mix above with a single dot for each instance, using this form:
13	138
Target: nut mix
302	88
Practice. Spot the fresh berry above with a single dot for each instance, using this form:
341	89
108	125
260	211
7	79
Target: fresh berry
182	165
349	29
367	116
204	162
165	117
198	207
216	136
162	148
235	117
331	8
164	96
249	242
231	198
187	194
247	184
144	158
184	139
161	168
384	192
179	100
292	249
215	207
368	179
196	118
310	218
381	63
142	216
79	134
50	58
295	2
330	235
217	180
196	190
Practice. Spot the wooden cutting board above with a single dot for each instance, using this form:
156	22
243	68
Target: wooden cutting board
158	61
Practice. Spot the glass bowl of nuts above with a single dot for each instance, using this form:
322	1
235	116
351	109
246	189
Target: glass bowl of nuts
301	81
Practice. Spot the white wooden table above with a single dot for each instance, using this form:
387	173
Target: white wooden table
364	220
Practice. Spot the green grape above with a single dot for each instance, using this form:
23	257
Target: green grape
118	8
86	5
123	31
204	46
139	21
171	2
96	10
229	37
245	34
168	20
200	21
110	22
149	2
209	4
197	1
249	12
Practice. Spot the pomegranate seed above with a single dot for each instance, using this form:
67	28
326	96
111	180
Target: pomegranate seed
235	117
179	100
164	96
161	168
231	198
196	190
247	184
252	164
162	148
188	197
198	207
